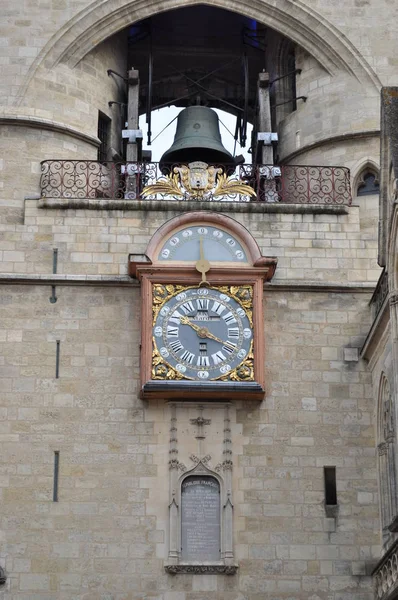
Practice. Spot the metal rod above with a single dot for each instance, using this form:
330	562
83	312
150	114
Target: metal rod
57	359
303	98
195	83
112	102
295	72
53	297
55	260
112	72
207	74
149	94
164	128
56	473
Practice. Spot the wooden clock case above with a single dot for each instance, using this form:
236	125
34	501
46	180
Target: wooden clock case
150	271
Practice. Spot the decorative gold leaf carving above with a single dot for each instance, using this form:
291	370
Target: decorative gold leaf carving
243	294
197	181
160	369
167	185
244	371
229	187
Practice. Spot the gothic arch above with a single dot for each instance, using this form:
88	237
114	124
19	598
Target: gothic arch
299	23
360	168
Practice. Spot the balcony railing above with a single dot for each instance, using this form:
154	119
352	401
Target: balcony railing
385	575
132	180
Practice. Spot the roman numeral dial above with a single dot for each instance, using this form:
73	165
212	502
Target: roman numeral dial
201	333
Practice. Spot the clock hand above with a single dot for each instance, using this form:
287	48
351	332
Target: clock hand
201	253
202	332
186	321
202	265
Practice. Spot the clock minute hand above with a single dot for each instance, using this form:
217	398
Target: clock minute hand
202	332
212	337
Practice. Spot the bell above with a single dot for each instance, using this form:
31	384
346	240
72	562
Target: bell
197	139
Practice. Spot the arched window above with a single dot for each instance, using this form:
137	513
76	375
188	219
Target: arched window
368	183
386	458
284	90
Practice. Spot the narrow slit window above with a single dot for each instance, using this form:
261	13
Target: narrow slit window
56	476
330	486
104	124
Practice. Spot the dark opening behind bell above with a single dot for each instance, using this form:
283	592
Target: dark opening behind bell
197	138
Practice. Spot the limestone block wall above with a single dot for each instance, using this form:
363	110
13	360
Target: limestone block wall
324	246
58	119
107	535
335	106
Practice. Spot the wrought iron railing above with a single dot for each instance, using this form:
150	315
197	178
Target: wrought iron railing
385	575
380	294
287	184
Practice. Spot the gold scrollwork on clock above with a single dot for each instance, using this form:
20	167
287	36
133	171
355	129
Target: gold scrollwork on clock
160	369
202	333
244	371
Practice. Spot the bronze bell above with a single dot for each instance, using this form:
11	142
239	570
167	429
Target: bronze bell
197	139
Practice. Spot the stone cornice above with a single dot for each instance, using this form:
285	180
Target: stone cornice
178	206
377	331
47	124
332	139
126	280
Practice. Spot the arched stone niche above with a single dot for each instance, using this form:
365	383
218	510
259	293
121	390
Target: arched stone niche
386	459
200	508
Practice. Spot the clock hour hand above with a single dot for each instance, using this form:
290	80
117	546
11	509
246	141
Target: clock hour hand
202	332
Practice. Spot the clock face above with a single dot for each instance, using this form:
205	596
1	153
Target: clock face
218	245
204	334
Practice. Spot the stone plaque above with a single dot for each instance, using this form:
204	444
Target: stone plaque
200	519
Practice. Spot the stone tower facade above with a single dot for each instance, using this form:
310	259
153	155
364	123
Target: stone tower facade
91	473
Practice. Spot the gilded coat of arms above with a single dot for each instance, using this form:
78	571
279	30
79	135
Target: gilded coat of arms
198	181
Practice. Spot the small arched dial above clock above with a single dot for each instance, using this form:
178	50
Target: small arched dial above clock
203	333
218	245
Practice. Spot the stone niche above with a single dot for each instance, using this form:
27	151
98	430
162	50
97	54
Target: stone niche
200	476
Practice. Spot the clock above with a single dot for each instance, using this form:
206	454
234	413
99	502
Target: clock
219	245
202	333
202	325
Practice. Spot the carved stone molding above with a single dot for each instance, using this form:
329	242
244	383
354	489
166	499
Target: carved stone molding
201	569
382	448
385	575
176	464
393	299
196	460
